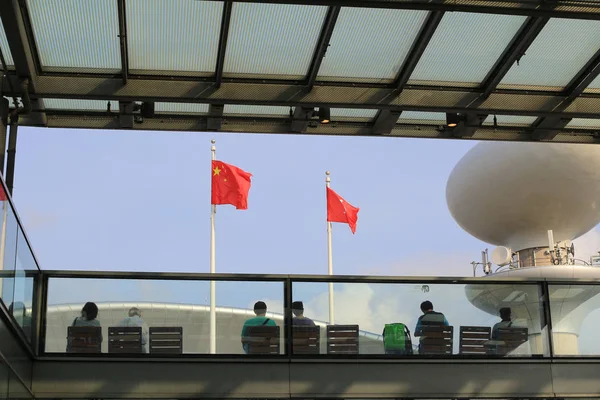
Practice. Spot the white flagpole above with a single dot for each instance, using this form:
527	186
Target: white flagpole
330	260
213	294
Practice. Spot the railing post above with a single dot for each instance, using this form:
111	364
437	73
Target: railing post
40	292
547	315
287	325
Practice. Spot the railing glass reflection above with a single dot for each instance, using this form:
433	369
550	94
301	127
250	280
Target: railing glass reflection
172	316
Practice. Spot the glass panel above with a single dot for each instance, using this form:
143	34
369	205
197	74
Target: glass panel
272	39
370	45
562	48
575	316
173	35
8	251
79	35
595	84
161	303
26	267
509	120
188	108
76	104
408	116
352	113
583	123
448	59
4	47
255	110
369	307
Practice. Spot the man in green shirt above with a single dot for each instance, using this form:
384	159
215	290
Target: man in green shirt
260	309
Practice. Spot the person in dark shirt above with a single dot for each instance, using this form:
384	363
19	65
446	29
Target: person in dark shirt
429	318
299	318
505	315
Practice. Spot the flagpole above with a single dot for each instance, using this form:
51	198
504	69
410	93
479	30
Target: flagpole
329	259
213	295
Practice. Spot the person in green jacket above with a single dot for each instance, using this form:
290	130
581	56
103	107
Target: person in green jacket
260	309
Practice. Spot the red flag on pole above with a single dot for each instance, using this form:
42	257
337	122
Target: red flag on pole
230	185
339	210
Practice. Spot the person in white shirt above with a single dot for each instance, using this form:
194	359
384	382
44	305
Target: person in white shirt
135	319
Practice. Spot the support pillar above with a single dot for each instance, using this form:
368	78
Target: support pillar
11	153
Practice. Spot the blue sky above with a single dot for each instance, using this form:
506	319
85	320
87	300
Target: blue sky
139	201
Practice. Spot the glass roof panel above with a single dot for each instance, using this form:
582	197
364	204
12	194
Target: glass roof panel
187	108
510	120
255	110
173	35
562	48
77	104
595	83
337	113
272	39
4	47
419	115
465	47
370	44
77	35
583	123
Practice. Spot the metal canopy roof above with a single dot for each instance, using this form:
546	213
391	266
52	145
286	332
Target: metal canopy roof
511	69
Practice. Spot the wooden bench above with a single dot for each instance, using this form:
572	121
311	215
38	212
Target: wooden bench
306	340
262	339
84	339
125	339
342	339
473	339
166	340
437	339
510	339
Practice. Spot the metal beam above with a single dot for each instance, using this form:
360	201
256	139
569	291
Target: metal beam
418	48
546	129
322	45
214	119
385	121
126	117
514	51
123	40
301	118
421	99
225	20
538	8
468	127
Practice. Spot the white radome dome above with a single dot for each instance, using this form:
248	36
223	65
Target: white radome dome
510	194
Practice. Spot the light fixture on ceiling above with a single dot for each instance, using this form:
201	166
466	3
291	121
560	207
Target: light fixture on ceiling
324	115
452	119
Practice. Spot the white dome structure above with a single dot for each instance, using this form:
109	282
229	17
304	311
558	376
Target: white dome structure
510	194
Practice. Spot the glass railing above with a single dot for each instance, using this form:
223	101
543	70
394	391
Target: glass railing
18	267
171	315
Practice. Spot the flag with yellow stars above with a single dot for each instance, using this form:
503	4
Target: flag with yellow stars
230	185
339	210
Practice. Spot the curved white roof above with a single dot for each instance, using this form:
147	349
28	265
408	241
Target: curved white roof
193	318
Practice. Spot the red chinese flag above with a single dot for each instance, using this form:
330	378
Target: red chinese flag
339	210
230	185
